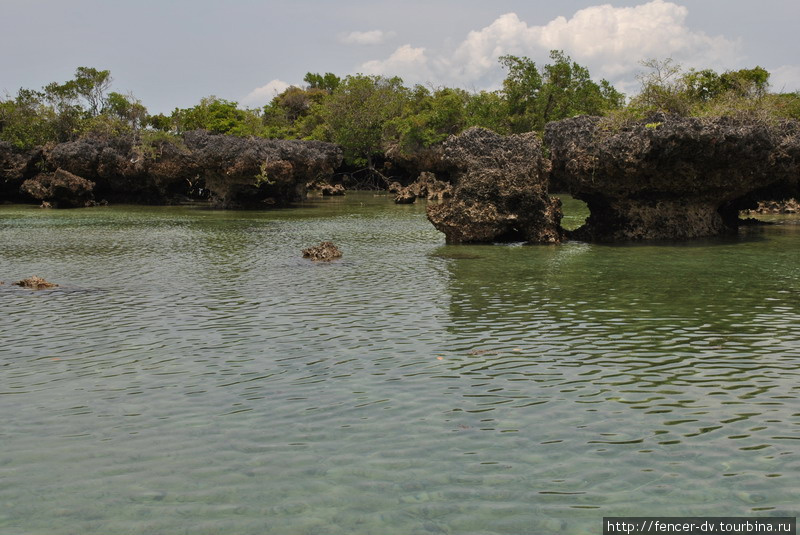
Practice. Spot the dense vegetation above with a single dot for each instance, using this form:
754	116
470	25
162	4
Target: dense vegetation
370	115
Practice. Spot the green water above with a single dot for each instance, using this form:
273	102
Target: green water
194	375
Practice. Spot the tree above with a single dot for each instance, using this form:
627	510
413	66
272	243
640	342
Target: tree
218	116
568	90
663	88
703	92
427	118
487	109
562	89
357	112
27	121
92	84
521	89
126	108
328	82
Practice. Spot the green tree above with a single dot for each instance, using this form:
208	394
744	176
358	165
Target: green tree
218	116
92	84
27	121
328	82
521	89
427	118
128	109
663	88
357	112
159	122
488	109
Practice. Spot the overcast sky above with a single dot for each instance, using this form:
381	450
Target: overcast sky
172	53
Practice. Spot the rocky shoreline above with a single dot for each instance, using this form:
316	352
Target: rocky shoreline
666	177
228	171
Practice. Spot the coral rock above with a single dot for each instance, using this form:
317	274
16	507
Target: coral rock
668	177
499	192
325	251
61	189
35	283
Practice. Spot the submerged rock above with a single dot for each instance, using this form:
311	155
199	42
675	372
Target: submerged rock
499	192
325	251
61	189
668	177
35	283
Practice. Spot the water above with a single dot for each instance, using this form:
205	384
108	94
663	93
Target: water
194	375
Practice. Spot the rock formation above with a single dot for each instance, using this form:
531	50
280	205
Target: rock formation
233	172
254	172
668	177
500	190
61	189
789	206
35	283
325	251
425	186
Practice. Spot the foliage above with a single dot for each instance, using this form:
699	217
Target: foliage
487	109
126	108
152	142
668	88
369	115
286	116
357	112
218	116
159	122
427	118
25	121
562	89
327	82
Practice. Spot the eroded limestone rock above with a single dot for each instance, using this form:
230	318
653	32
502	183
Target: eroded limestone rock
233	172
61	189
35	283
499	192
668	177
325	251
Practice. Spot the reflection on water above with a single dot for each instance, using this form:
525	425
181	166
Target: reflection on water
193	374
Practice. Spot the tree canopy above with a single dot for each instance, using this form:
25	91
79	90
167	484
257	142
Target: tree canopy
369	115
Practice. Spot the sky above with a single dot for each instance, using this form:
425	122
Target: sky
172	53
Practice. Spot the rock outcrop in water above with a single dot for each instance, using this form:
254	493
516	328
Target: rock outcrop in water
668	177
231	171
253	172
500	190
426	186
325	251
789	206
35	283
61	189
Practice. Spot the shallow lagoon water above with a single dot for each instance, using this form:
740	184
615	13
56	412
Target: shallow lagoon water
193	375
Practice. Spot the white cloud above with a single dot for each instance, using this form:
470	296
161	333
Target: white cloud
610	41
406	62
263	95
785	78
372	37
